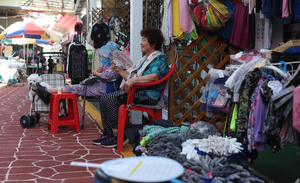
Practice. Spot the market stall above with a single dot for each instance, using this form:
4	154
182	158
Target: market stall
21	33
245	108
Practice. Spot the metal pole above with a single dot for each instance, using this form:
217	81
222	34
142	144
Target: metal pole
33	51
101	10
1	47
6	21
27	54
87	16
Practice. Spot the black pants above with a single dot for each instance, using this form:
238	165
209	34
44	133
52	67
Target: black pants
50	68
109	109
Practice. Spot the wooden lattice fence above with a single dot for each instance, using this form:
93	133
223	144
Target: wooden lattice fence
181	96
193	59
121	10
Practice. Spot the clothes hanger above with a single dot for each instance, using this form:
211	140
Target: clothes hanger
282	66
285	46
277	70
263	64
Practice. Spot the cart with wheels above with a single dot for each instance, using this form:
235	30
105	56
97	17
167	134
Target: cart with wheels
36	108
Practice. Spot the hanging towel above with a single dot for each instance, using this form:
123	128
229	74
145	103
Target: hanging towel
240	28
165	24
170	20
186	22
286	8
276	8
297	10
296	109
267	33
225	32
252	28
177	31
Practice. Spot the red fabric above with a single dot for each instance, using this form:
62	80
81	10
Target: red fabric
240	28
198	14
31	28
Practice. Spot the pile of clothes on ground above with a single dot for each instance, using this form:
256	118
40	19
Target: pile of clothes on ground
200	148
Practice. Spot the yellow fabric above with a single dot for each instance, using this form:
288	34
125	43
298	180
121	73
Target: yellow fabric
177	31
2	35
214	21
53	36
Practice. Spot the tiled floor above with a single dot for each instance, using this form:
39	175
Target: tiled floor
36	155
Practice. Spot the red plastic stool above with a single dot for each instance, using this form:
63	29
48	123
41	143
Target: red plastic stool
72	119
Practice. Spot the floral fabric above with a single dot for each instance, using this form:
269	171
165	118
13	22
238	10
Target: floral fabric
97	89
252	111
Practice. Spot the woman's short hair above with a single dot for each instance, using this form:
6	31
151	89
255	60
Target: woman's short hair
154	36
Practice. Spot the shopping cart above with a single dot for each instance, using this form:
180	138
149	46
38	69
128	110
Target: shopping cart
55	81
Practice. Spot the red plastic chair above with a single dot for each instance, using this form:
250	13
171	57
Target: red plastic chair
152	113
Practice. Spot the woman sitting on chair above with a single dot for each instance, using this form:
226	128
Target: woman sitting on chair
152	67
96	89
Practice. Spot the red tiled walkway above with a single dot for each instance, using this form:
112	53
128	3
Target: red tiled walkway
36	155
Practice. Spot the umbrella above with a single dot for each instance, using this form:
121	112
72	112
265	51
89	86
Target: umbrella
24	30
53	37
21	41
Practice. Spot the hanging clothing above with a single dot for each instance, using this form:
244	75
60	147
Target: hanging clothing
276	8
77	63
225	32
286	8
260	118
95	61
296	109
258	5
113	36
100	34
177	31
240	28
267	33
296	10
186	22
251	80
165	24
286	12
253	112
266	8
273	122
170	20
251	36
259	32
89	39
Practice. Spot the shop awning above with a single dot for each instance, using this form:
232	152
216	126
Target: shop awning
65	24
